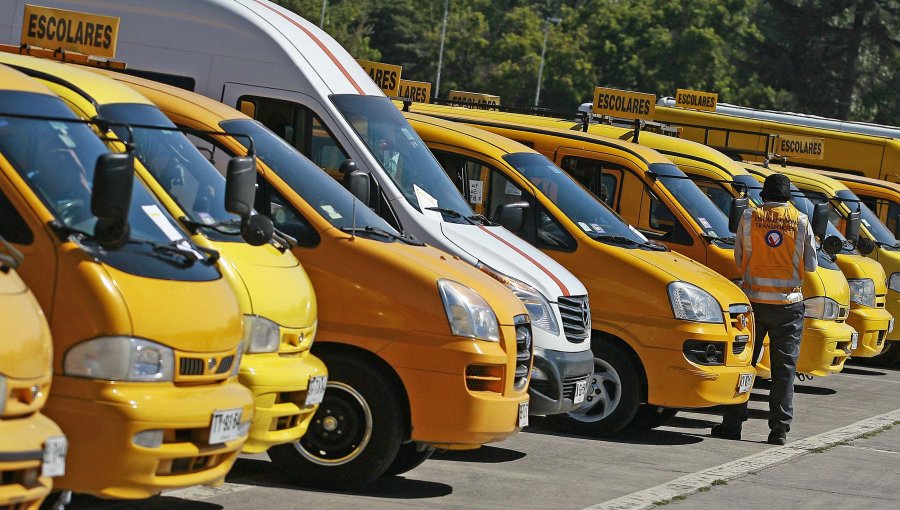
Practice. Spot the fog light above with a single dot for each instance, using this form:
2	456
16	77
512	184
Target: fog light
149	438
244	429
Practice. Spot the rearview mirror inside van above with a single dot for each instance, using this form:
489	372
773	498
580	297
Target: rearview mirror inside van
111	198
853	225
511	216
736	212
820	219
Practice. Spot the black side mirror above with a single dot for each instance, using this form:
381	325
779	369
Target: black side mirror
240	186
111	198
854	223
257	230
820	220
865	245
736	212
360	185
511	216
832	245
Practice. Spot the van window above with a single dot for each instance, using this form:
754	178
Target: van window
301	128
720	196
600	178
12	225
285	218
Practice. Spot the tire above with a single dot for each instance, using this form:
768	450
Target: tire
410	456
650	417
888	357
613	398
355	434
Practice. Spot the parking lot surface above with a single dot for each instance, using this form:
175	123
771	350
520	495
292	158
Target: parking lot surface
541	468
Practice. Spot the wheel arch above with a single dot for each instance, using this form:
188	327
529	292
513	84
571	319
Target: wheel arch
598	336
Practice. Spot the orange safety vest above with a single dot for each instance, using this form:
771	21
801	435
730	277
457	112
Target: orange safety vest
772	267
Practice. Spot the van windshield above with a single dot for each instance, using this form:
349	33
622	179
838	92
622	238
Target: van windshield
57	160
403	155
187	176
318	189
870	220
584	209
711	220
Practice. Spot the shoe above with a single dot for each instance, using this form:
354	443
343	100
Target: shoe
725	432
777	437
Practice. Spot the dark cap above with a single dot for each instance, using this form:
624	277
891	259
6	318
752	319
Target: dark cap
777	188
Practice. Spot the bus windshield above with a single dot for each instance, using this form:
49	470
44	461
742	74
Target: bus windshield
403	155
711	220
579	205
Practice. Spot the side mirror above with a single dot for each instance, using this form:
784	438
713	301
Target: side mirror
511	216
360	185
820	220
257	230
832	245
865	245
736	212
853	225
111	198
240	186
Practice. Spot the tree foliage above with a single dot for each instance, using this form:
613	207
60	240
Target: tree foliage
838	58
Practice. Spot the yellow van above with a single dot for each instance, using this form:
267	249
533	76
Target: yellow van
442	360
146	332
682	341
883	199
32	447
276	297
868	281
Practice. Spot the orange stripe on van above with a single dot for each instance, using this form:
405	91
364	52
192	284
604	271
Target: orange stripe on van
562	286
321	45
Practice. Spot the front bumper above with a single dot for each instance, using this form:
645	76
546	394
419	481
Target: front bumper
100	420
554	377
278	385
872	325
824	348
21	455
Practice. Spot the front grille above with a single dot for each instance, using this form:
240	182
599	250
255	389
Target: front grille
576	317
192	366
881	335
569	387
740	344
189	465
225	364
484	378
524	352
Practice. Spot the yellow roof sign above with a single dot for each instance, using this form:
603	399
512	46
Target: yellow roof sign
624	103
90	34
802	147
474	97
417	91
386	76
696	100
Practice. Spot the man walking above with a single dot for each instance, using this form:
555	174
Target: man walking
774	244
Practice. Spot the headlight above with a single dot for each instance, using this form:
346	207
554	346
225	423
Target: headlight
468	313
691	303
894	282
821	308
862	291
538	307
260	335
3	391
120	358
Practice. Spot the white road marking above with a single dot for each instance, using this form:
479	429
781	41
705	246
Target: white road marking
866	377
879	450
774	456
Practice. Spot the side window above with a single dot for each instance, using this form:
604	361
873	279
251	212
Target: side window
12	225
301	128
893	218
284	216
211	152
719	195
552	235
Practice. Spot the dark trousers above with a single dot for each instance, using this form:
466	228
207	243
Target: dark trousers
784	325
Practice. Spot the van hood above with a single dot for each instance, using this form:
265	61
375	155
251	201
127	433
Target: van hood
505	252
28	354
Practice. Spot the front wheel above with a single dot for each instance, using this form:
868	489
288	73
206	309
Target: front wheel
613	397
651	417
410	456
355	434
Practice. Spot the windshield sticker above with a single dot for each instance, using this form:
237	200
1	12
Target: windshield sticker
157	217
426	201
638	233
511	189
584	226
476	192
407	134
866	223
331	212
206	218
597	228
705	223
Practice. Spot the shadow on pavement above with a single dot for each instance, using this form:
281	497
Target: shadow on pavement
628	436
681	422
485	454
80	501
861	371
813	390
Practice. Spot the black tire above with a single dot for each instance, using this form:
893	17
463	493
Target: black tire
650	417
613	397
410	456
888	357
355	434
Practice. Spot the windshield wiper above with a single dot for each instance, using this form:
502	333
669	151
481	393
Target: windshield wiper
480	218
452	213
194	226
627	240
726	240
369	229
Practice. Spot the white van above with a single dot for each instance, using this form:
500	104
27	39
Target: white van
297	80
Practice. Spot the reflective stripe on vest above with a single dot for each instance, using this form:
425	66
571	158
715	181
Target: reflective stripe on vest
773	270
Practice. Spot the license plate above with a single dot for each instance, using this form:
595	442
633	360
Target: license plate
315	391
745	382
523	414
854	341
580	392
891	325
54	462
225	426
